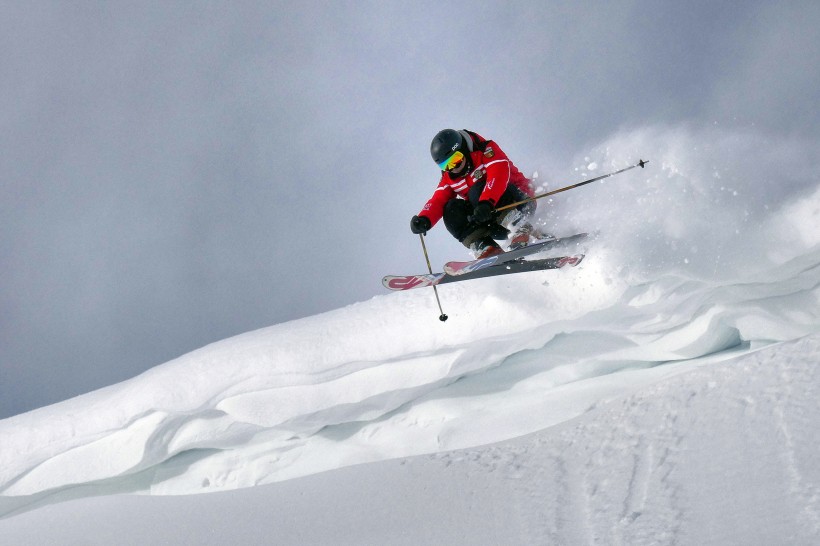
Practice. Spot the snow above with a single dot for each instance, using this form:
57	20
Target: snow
664	391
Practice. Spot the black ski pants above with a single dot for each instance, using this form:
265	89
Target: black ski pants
457	212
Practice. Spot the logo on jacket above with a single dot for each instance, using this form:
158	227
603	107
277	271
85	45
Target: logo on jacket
489	152
479	173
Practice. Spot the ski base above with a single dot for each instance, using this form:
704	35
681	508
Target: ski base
462	268
408	282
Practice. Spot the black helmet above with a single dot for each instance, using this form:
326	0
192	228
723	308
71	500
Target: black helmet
445	143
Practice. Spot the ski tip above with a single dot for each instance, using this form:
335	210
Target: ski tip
570	260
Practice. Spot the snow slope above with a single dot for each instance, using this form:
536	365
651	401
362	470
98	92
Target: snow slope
723	454
697	263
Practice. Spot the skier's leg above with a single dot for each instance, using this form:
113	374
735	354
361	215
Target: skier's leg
495	230
517	219
456	218
514	216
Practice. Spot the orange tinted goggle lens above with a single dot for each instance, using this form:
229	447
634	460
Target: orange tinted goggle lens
452	162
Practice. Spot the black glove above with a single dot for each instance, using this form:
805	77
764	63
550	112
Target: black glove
482	213
420	224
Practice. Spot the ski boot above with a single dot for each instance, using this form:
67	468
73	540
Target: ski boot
484	248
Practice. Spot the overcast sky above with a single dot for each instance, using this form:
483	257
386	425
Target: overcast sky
174	173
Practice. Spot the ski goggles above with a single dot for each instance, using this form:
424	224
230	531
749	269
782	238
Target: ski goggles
452	162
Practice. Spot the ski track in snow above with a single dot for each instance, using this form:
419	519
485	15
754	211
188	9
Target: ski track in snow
645	469
798	424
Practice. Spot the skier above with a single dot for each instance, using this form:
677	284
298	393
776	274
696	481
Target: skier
477	177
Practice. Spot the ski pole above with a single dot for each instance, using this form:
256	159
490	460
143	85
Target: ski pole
640	164
442	317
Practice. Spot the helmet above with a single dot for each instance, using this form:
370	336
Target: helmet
445	143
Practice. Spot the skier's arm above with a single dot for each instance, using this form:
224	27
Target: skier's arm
499	171
434	208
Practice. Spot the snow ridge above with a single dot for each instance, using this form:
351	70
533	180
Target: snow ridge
259	425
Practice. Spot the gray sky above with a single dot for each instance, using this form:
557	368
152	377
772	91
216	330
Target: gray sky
174	173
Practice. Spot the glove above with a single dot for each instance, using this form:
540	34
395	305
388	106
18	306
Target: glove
482	213
420	224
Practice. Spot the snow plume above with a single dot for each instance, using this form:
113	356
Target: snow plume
711	203
707	254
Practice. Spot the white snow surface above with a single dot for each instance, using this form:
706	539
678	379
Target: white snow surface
664	391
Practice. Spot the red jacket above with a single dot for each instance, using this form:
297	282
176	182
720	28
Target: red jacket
490	163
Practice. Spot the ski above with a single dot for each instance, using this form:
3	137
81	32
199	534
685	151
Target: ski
407	282
462	268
